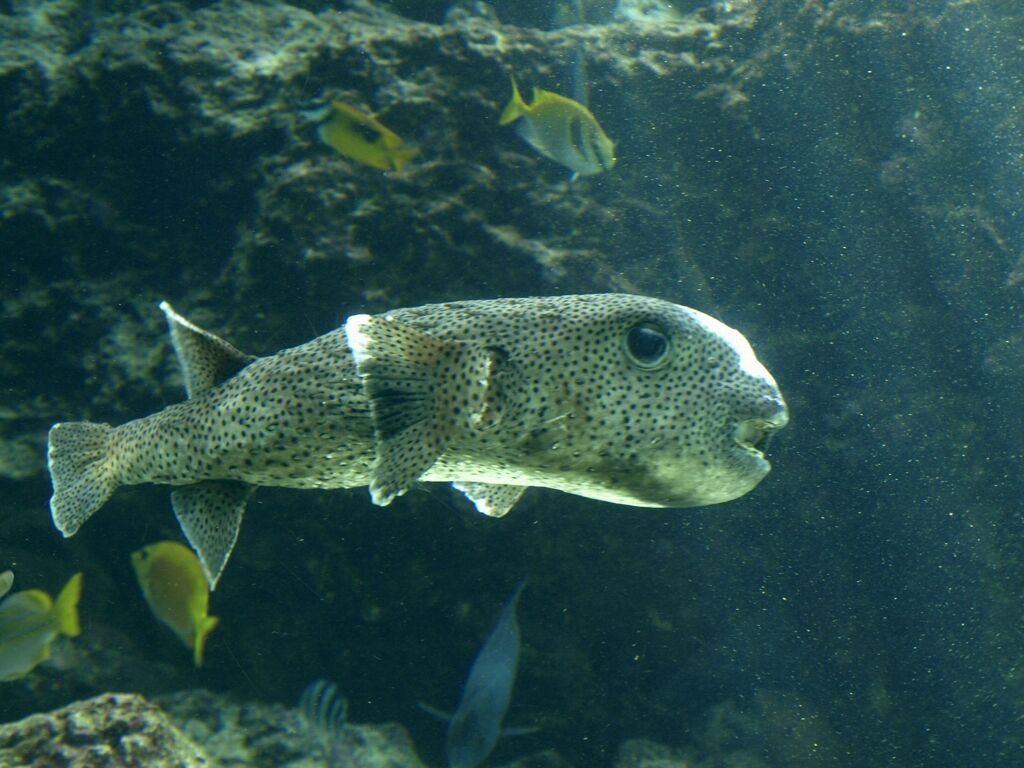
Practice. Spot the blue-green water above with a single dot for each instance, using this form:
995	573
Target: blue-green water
840	181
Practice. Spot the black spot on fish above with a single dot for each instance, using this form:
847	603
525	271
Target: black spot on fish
578	136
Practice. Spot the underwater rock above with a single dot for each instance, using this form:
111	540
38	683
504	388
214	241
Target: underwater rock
207	180
774	728
812	171
641	753
546	759
253	735
115	729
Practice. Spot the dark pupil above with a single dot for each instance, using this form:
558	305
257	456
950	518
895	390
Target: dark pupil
646	344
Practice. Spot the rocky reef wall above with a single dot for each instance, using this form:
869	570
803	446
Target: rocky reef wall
837	179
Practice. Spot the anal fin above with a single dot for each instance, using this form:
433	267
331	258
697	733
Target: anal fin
491	499
210	515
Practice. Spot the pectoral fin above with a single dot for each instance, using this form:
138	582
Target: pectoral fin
210	514
398	366
424	392
491	499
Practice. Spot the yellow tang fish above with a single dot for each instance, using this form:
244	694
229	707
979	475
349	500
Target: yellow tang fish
175	588
29	623
562	130
362	138
6	579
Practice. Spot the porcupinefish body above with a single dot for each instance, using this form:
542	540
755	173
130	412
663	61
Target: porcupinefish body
621	398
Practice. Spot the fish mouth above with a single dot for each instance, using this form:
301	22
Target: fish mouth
753	436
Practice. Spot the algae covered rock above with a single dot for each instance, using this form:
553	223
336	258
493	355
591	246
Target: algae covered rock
641	753
207	184
115	729
251	734
839	179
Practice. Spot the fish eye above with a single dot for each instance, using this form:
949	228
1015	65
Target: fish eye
647	346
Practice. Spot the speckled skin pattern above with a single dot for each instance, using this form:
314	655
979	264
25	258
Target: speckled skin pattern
296	419
540	392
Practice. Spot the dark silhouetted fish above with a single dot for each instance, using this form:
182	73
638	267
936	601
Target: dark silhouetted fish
475	727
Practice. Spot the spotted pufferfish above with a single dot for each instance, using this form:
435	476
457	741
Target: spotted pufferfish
622	398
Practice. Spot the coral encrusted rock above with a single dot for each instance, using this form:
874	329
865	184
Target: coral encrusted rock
115	730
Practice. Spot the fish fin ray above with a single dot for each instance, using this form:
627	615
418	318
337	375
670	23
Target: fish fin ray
206	359
65	607
401	462
491	499
210	514
398	366
81	470
422	391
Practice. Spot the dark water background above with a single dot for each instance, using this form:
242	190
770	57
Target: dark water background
856	214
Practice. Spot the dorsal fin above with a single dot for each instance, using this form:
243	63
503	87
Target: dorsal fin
206	360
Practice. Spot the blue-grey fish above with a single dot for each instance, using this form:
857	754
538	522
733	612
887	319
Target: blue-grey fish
475	726
621	398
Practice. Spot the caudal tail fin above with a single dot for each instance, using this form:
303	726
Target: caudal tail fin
81	471
515	108
204	627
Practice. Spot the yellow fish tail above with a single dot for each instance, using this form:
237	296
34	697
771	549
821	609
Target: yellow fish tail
515	108
400	157
65	609
204	627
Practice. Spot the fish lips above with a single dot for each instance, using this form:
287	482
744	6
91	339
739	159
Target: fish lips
752	435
